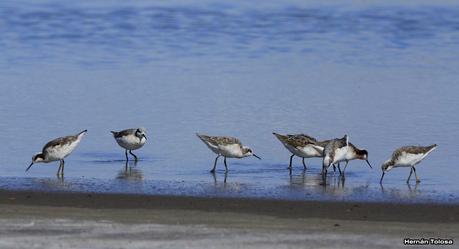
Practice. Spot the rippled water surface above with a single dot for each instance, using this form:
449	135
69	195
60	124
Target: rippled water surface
385	73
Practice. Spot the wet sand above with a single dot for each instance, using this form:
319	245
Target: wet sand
365	211
82	220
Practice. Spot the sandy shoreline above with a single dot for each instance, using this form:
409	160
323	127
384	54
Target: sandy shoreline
364	211
82	220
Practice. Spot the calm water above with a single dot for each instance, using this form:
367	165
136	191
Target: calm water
384	73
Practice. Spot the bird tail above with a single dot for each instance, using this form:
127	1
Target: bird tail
346	137
200	136
282	138
204	138
432	147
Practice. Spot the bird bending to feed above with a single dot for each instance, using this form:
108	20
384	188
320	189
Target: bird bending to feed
352	154
130	139
57	150
334	152
301	145
407	156
227	147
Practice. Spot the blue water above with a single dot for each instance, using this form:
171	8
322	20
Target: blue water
383	72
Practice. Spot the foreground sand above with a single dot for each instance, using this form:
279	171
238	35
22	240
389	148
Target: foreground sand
72	220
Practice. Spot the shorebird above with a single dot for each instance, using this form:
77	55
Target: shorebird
407	156
334	152
301	145
57	150
227	147
130	139
352	154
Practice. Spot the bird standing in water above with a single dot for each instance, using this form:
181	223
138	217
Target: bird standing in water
407	156
227	147
334	152
130	139
301	145
57	150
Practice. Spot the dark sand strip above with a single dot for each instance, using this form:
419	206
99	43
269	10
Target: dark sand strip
437	213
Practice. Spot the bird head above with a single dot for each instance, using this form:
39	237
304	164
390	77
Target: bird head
248	152
141	133
37	158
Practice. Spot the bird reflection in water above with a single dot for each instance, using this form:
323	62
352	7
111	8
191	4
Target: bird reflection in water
130	172
52	183
302	179
400	193
214	175
315	182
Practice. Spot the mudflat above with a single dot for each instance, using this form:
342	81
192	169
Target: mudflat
83	220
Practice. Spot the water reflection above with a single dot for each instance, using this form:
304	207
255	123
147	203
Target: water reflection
130	172
408	193
57	183
314	179
214	175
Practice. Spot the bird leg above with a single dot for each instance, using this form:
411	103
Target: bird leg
345	167
59	169
382	176
125	153
130	152
304	164
324	171
411	172
290	164
215	165
416	175
226	166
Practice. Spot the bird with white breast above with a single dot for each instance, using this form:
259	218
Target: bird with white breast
57	150
227	147
130	139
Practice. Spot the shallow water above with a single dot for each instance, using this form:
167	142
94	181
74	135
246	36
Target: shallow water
385	73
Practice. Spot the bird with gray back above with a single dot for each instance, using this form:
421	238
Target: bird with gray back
130	139
57	150
334	152
228	147
407	156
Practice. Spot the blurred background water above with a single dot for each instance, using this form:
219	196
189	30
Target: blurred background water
383	72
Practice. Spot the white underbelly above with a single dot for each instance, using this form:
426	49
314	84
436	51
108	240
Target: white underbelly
408	159
307	151
60	152
231	151
340	154
130	142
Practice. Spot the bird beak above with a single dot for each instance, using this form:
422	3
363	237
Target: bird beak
256	156
380	181
29	167
145	136
369	164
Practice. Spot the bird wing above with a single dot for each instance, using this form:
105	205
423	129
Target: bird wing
411	150
224	140
300	140
59	142
123	133
219	140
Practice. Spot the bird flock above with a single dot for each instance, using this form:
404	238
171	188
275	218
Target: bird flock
333	151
